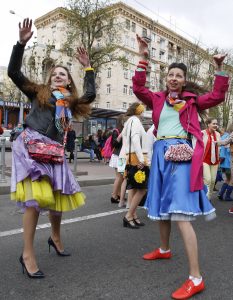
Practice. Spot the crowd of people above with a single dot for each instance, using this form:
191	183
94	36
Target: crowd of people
170	169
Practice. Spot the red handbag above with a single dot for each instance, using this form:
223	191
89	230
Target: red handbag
46	153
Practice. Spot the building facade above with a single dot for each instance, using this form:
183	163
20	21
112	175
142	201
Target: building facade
114	82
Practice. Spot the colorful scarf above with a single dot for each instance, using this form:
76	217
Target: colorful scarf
174	101
63	114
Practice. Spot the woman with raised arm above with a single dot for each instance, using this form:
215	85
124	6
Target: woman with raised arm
176	190
36	185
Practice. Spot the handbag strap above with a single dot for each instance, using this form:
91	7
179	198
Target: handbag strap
131	142
64	138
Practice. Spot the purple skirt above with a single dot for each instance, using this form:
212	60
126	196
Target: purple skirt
23	166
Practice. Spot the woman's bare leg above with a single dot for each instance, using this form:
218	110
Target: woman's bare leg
117	184
30	220
123	189
134	203
55	220
190	243
165	231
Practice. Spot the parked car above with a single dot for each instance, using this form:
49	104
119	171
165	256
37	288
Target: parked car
7	134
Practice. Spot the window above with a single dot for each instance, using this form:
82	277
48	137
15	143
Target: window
130	90
109	72
125	73
125	89
69	52
108	104
161	55
124	105
144	32
170	59
127	24
131	59
133	27
153	52
153	67
170	45
178	50
131	73
153	37
108	88
96	105
126	40
98	44
99	32
162	43
132	43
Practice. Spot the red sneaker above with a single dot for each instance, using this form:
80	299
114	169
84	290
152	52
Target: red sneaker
231	210
188	289
156	254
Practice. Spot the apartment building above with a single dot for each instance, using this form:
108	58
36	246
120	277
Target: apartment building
113	81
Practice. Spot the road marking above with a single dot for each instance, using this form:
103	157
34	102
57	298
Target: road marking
66	221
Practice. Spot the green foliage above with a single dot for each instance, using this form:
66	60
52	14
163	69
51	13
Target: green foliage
92	25
195	59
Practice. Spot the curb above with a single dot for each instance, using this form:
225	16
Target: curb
95	182
5	189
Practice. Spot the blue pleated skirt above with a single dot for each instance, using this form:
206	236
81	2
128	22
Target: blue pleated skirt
169	196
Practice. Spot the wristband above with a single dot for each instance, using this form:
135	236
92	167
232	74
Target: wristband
143	62
88	69
141	66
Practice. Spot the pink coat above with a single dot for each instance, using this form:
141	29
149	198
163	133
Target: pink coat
188	116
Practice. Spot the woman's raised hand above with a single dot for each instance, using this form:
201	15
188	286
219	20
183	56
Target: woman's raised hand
218	60
25	31
143	47
83	57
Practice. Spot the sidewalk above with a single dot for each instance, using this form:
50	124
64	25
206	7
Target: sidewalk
87	173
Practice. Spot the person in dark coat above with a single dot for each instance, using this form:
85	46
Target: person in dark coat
70	144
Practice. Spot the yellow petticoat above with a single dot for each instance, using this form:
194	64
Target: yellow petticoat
41	191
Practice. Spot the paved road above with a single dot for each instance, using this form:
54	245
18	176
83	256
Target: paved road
106	258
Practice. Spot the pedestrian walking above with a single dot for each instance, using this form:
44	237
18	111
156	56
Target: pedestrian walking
136	149
176	190
16	132
225	165
116	145
211	154
229	187
37	185
70	144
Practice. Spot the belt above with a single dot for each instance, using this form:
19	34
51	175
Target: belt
136	154
172	137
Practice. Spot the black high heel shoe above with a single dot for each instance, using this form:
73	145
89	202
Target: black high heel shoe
37	275
60	253
129	223
138	222
113	200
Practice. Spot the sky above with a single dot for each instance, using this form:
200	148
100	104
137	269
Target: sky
208	22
